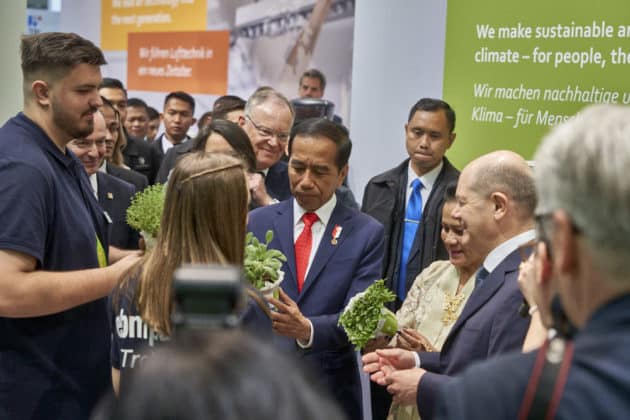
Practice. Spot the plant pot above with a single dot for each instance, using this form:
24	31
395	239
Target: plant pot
273	289
149	240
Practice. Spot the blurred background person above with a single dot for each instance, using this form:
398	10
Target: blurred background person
219	136
114	164
137	120
154	124
203	222
222	374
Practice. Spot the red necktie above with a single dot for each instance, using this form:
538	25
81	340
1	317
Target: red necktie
303	247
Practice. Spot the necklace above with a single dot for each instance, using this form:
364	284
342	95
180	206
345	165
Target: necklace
450	307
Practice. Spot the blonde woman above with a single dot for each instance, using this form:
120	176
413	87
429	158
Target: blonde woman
204	218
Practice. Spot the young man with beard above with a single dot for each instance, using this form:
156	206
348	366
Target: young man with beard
53	263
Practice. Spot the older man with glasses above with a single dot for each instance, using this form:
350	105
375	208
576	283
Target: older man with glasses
267	121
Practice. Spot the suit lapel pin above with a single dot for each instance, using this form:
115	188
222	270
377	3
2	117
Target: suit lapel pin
336	233
110	196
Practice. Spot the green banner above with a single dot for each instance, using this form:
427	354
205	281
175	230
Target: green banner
513	69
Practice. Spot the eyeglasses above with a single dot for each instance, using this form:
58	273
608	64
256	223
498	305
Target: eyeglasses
268	132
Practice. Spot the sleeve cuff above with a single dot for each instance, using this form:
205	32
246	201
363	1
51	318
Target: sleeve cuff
309	344
417	357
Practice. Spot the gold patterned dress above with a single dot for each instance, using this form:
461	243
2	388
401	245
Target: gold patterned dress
431	307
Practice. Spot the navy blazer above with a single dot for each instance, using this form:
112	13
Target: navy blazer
337	273
114	196
488	325
597	386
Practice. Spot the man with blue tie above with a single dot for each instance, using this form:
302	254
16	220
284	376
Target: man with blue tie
495	203
333	253
408	201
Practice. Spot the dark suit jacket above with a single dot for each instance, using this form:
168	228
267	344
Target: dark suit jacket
170	159
597	386
488	325
140	157
114	196
137	179
384	199
337	273
277	181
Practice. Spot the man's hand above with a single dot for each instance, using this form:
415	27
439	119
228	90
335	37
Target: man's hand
410	339
288	320
257	189
403	385
382	362
122	266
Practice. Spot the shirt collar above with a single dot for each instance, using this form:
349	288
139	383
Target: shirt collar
427	179
499	253
45	142
94	185
323	213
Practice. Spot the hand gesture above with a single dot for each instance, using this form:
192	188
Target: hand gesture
410	339
288	319
384	361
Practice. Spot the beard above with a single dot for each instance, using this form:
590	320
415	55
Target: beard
71	123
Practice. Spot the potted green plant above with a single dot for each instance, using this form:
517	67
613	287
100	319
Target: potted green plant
145	212
365	316
262	266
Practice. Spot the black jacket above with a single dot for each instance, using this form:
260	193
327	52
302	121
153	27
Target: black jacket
137	179
384	199
140	157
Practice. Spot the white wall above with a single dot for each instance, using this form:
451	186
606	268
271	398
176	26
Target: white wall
12	25
398	58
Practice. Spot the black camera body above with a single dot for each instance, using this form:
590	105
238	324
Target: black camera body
207	297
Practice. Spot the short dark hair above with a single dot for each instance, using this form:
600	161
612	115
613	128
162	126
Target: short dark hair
54	54
433	105
111	83
225	374
182	96
322	127
450	192
137	103
153	113
315	74
225	104
233	134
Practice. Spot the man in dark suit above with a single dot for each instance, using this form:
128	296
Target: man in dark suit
429	134
333	252
495	203
582	225
178	116
114	195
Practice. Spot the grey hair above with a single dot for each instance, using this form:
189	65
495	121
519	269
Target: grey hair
267	94
581	167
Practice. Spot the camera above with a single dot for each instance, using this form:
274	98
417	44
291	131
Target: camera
207	297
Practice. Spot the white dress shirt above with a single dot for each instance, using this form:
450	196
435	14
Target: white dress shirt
428	180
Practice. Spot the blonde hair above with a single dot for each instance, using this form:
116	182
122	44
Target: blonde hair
204	221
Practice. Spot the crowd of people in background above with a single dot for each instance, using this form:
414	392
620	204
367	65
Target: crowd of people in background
509	278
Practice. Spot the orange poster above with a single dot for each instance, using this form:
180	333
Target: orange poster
121	17
195	62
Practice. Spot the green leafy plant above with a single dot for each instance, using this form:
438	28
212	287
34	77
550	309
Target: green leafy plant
366	316
262	265
145	211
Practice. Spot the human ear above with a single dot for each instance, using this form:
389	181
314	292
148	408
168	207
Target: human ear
41	91
500	204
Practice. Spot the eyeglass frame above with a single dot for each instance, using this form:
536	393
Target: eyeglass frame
282	138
